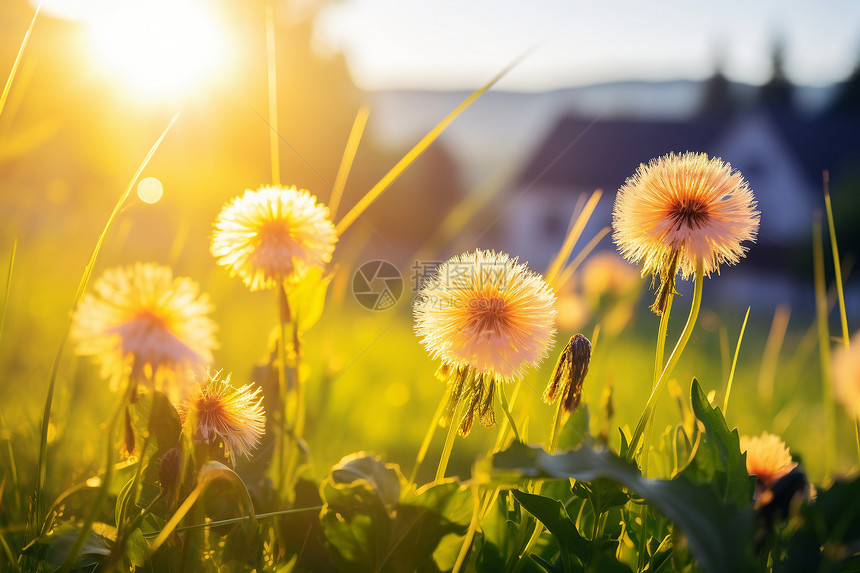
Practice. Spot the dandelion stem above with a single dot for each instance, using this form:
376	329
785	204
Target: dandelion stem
449	440
648	412
87	526
734	364
659	355
431	431
555	433
503	400
283	320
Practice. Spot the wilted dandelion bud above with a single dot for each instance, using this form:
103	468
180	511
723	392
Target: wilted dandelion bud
569	374
490	319
680	210
170	471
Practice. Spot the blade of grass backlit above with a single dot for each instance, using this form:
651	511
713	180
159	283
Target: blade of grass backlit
271	67
8	287
837	268
572	236
772	349
347	159
734	364
577	260
88	271
5	95
824	349
472	203
415	152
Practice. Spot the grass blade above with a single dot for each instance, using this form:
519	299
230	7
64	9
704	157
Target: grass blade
8	287
821	312
577	260
772	349
41	478
5	95
272	75
734	364
837	267
347	159
414	153
573	235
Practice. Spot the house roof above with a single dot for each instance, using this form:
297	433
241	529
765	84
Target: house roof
602	153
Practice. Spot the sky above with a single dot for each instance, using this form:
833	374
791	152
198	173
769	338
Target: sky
457	44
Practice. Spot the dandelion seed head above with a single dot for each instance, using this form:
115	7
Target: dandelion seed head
689	204
486	311
145	317
222	412
273	234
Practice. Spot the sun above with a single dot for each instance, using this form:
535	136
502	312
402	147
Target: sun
159	48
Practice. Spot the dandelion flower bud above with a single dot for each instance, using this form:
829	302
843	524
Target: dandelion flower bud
569	374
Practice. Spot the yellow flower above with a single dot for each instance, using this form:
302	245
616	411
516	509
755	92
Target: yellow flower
273	234
489	319
144	317
768	458
224	414
682	209
846	377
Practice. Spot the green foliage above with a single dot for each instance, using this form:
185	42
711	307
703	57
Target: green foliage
373	521
718	459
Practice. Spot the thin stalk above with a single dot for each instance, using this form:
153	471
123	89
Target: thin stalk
449	441
125	530
503	401
347	159
8	87
138	471
283	321
503	426
828	399
734	364
413	154
42	475
8	287
555	433
87	527
470	533
272	76
837	268
239	519
659	355
648	412
174	520
9	555
428	438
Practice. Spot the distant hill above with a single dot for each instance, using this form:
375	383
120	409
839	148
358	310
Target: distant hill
505	127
